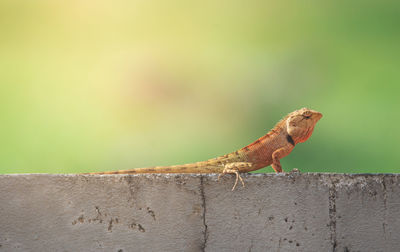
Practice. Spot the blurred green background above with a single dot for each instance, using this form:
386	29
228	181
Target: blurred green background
106	85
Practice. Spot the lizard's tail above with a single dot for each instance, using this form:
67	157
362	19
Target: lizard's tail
187	168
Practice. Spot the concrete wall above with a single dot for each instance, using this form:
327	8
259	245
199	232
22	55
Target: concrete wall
291	212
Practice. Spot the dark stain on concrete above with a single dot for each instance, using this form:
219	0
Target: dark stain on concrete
151	212
110	225
137	226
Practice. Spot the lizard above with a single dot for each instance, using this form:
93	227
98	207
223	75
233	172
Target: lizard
294	128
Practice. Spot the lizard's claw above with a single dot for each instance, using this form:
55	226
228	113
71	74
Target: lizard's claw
237	177
295	170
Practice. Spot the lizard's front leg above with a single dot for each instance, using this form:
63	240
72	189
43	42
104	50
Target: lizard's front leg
235	168
277	155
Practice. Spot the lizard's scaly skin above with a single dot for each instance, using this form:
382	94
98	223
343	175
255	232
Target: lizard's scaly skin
295	128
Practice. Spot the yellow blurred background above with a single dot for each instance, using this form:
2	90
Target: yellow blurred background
107	85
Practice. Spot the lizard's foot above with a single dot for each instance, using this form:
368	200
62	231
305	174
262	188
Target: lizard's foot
234	168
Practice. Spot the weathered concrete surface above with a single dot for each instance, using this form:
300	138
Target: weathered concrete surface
290	212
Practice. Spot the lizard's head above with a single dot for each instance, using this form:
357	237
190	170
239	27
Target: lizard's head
300	124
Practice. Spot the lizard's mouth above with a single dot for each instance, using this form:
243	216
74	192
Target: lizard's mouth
317	115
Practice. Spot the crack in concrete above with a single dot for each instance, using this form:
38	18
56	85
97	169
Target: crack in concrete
384	224
203	198
332	214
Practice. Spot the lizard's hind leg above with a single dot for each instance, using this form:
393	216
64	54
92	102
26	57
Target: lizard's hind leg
235	168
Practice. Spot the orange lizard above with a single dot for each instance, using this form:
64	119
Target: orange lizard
295	128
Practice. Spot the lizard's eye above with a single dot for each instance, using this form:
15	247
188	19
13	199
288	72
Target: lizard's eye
307	115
